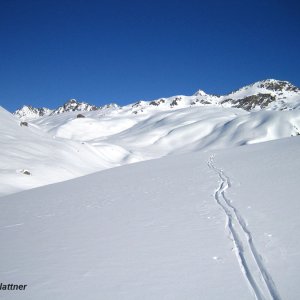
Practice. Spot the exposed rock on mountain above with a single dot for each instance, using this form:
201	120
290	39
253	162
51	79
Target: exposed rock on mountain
74	105
28	112
267	94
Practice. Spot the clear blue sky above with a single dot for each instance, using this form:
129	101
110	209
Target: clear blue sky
123	51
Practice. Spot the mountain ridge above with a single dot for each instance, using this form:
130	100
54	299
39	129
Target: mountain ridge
271	94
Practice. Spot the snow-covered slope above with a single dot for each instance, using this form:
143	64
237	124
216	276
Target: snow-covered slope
206	225
115	136
30	157
157	133
210	221
268	94
64	144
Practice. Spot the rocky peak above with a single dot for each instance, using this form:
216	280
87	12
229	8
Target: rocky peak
277	85
74	105
266	94
200	93
28	112
111	105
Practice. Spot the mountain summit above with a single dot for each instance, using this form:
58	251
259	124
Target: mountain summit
30	113
27	112
270	94
74	105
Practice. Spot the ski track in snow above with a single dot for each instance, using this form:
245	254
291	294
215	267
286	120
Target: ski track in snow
250	261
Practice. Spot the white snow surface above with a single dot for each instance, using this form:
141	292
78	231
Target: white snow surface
46	158
196	218
60	147
214	224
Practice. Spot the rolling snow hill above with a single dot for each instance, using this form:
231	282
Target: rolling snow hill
65	144
205	225
30	157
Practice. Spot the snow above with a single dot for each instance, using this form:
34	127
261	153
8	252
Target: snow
270	94
197	217
155	230
73	105
271	191
30	113
48	159
60	147
287	96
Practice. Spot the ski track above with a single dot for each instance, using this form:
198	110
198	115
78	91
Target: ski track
250	261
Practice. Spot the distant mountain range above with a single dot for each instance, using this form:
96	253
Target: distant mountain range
267	94
78	138
28	112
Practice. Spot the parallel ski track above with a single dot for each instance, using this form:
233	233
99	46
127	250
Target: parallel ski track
250	261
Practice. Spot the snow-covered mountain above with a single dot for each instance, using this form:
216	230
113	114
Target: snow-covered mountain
29	113
74	105
112	136
268	94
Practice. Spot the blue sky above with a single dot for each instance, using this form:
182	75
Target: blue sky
123	51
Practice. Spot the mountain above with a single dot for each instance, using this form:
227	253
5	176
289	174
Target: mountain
74	105
187	207
28	112
111	136
267	94
62	146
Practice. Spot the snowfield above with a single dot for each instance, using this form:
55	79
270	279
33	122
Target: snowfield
60	147
197	198
206	225
46	158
